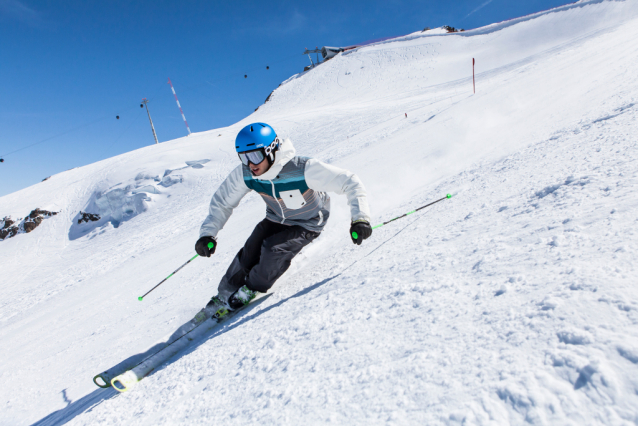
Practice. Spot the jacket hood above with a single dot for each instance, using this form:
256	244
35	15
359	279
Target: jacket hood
285	153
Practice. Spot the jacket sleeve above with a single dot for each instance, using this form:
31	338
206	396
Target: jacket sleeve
326	178
224	201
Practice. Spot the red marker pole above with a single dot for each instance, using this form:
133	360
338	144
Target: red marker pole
473	82
179	106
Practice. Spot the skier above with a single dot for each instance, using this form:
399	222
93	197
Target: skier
294	189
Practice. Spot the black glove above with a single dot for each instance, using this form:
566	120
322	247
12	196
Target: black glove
203	246
359	231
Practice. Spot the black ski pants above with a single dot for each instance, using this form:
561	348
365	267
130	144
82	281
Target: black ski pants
265	257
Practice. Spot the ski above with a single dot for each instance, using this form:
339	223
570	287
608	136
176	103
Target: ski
125	375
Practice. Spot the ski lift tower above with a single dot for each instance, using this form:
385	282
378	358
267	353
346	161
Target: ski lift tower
145	103
308	52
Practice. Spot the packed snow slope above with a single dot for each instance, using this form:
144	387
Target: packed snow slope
513	302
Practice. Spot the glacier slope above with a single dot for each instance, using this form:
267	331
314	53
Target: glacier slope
509	303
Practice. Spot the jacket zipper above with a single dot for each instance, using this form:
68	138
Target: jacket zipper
275	197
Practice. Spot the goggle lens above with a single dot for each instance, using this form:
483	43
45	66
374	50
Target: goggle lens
254	157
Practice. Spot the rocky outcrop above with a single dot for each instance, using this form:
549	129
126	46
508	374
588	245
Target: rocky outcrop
9	229
88	217
450	29
270	96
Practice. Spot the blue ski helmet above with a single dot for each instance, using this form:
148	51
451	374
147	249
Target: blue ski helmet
254	136
256	142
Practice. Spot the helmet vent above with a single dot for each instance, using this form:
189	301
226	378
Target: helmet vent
251	129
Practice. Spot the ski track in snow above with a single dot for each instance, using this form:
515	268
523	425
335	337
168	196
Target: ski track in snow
513	302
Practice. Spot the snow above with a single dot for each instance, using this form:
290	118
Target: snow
512	302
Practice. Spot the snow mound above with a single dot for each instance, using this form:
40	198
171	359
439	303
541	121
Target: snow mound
121	202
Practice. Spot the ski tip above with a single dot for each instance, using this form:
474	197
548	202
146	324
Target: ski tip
140	298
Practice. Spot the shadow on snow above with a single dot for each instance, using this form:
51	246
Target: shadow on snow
95	398
73	409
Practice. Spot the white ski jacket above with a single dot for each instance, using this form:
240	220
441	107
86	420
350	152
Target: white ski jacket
294	189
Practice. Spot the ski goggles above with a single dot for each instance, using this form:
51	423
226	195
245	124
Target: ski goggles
254	157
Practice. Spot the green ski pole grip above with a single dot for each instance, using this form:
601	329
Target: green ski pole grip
355	235
211	245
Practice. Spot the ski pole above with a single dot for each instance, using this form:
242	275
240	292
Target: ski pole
355	235
210	246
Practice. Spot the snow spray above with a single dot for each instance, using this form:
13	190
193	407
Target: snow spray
355	235
210	246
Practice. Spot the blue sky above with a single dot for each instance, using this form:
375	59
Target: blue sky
67	68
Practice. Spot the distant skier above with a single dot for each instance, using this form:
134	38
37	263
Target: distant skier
294	189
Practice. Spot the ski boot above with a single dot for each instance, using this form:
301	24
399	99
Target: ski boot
216	308
241	297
